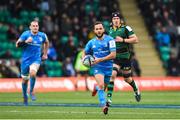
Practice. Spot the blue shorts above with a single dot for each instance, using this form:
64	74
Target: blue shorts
106	72
25	67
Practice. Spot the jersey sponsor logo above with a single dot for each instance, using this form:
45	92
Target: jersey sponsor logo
101	52
112	44
96	71
34	44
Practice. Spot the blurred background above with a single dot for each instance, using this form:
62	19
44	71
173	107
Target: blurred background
68	24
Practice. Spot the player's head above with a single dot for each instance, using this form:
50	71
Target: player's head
34	26
98	29
116	19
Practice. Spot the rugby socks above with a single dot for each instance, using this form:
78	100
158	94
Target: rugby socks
134	86
97	88
110	88
101	96
24	89
32	83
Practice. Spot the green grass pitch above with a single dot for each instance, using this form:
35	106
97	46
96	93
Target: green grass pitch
135	111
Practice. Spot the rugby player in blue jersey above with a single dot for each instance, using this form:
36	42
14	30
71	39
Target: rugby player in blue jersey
34	45
103	48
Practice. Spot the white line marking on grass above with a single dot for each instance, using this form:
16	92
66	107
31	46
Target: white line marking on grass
89	112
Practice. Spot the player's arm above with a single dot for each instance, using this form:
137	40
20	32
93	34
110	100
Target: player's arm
87	49
112	55
45	49
21	42
132	38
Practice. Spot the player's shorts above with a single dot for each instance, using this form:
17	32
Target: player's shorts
125	64
106	72
25	68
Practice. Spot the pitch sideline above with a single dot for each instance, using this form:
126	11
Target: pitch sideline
89	105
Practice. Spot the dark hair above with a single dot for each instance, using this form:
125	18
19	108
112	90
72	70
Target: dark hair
97	22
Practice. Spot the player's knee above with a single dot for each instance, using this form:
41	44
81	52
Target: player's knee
33	69
25	81
115	70
127	75
128	80
33	74
101	86
113	77
114	74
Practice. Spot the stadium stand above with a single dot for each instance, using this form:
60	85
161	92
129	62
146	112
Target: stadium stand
67	24
162	18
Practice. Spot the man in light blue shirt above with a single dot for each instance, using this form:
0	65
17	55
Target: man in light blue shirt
32	43
103	48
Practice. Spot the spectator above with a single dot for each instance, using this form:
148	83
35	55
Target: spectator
44	6
68	68
5	70
136	70
59	18
172	65
162	38
52	55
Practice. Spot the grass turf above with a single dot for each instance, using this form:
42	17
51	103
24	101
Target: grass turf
59	112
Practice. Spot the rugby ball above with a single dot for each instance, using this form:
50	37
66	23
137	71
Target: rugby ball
88	60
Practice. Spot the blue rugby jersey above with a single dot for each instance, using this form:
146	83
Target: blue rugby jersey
101	48
32	52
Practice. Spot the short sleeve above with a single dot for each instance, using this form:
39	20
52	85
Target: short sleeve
23	36
129	31
44	36
112	45
88	48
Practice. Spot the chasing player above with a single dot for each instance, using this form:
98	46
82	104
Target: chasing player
124	36
32	43
103	48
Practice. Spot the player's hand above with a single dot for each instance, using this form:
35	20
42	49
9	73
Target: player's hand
119	39
97	60
29	40
82	59
44	57
21	44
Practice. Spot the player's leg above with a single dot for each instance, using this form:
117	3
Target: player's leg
128	78
100	88
101	93
86	80
33	71
78	75
106	83
25	78
110	86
